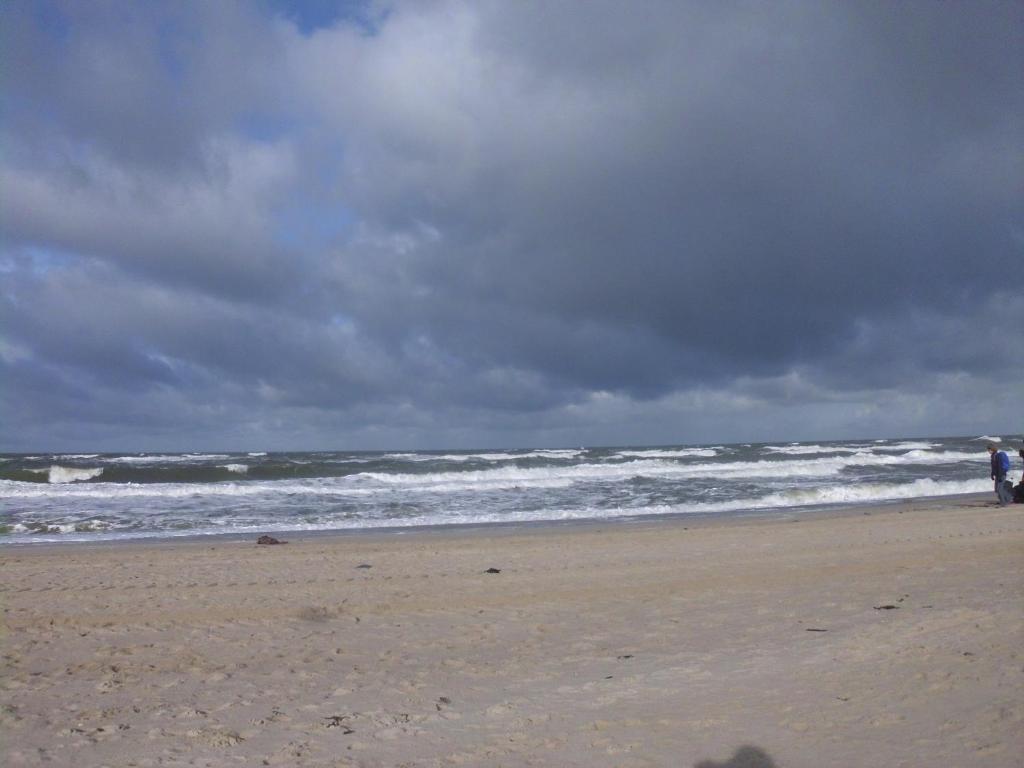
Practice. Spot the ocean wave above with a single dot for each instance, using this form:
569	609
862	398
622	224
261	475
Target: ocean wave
109	496
12	489
908	446
185	458
83	526
660	468
920	456
869	492
554	453
822	496
59	474
197	473
660	453
516	475
804	497
800	450
506	476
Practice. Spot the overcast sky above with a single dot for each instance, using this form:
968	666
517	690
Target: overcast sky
492	223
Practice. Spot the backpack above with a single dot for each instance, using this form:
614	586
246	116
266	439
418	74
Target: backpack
1004	461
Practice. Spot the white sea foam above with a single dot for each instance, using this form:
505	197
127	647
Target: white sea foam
516	475
59	474
78	456
82	526
555	453
830	466
189	458
456	457
868	492
238	468
13	489
987	439
257	453
844	494
908	446
659	468
658	453
799	450
926	457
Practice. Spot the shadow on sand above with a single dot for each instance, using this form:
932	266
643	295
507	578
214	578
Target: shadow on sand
745	757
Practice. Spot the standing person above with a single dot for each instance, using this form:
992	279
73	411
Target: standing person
1000	465
1018	490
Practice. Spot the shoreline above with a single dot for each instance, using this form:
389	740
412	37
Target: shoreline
780	514
879	636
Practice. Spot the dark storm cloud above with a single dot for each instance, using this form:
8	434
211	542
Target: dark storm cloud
468	223
745	197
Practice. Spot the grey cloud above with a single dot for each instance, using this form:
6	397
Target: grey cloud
783	197
145	84
213	229
551	224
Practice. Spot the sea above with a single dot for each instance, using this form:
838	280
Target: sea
107	496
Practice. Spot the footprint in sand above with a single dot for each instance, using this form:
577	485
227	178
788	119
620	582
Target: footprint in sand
215	737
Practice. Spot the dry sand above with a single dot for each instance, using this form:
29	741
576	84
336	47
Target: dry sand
714	643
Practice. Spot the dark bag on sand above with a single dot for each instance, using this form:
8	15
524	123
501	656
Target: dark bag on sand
1018	493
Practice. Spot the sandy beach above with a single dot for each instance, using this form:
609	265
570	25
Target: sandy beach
879	636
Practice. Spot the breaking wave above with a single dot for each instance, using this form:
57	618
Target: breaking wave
800	450
681	453
184	458
487	456
859	494
58	474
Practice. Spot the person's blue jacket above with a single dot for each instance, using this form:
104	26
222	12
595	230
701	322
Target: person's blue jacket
1000	465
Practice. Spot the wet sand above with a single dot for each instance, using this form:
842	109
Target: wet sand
883	636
